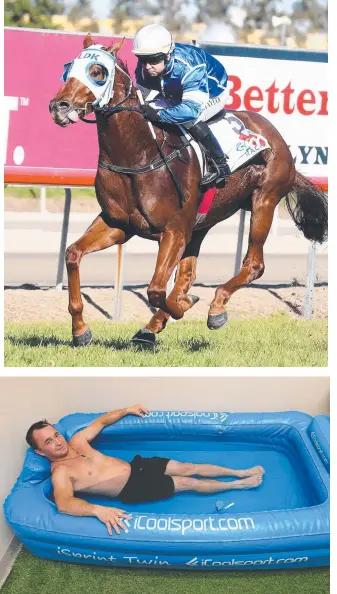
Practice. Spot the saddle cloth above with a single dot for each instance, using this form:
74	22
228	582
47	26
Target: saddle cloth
238	142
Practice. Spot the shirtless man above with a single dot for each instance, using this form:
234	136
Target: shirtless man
77	467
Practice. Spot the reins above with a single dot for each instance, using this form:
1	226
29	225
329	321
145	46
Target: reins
162	161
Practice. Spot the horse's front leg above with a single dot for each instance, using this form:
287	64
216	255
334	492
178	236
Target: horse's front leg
98	236
171	248
185	277
187	273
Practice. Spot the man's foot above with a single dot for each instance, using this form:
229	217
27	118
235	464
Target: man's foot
224	170
213	177
249	483
208	181
250	471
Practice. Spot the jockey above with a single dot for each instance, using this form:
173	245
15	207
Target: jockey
190	87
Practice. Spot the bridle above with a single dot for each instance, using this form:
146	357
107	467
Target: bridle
106	109
157	163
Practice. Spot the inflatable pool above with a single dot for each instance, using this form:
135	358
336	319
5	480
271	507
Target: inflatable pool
284	523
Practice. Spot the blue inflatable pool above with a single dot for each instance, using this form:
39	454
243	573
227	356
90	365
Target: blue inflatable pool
284	523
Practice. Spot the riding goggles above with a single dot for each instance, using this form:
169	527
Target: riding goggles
155	59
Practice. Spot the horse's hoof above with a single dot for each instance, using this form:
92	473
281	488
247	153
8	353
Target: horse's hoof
216	321
144	338
83	339
193	299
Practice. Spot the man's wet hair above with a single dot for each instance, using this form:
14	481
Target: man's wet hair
29	436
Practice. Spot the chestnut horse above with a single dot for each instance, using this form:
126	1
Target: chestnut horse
148	204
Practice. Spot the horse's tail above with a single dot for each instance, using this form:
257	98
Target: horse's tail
308	207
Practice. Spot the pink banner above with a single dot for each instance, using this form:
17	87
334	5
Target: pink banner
35	148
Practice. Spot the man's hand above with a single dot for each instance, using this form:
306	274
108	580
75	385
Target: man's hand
112	517
138	409
149	113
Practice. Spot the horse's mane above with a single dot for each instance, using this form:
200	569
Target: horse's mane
123	65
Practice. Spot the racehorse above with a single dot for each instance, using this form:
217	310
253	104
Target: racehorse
156	195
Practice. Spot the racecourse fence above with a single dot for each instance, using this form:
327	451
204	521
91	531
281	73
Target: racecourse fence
87	182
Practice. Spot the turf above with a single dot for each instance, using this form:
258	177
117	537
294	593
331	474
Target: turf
277	341
34	192
31	575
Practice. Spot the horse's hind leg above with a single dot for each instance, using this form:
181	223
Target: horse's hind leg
185	277
98	236
263	205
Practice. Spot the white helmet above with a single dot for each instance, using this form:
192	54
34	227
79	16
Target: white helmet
153	39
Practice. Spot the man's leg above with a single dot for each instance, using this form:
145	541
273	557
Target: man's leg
175	468
204	135
200	130
183	483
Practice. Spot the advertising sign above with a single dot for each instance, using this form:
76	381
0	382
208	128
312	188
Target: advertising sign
35	147
287	87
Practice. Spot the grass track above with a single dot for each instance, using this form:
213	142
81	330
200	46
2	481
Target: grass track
31	575
277	341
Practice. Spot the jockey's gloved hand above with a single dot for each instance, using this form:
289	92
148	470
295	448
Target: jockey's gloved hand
149	113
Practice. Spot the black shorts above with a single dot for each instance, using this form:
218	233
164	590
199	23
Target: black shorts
147	481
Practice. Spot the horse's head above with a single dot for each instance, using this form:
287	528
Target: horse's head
89	81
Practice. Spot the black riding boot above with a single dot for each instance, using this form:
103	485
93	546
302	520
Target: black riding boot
203	134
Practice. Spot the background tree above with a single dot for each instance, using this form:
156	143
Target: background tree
259	14
80	10
310	15
171	13
119	12
32	13
210	10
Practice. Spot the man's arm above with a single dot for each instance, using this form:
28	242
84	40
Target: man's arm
66	503
195	95
90	432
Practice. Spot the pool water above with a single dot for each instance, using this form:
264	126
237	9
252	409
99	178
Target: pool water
285	484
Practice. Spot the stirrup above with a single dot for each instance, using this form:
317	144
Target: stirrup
212	178
224	173
209	180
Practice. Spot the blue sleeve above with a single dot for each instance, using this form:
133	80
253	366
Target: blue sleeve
195	95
